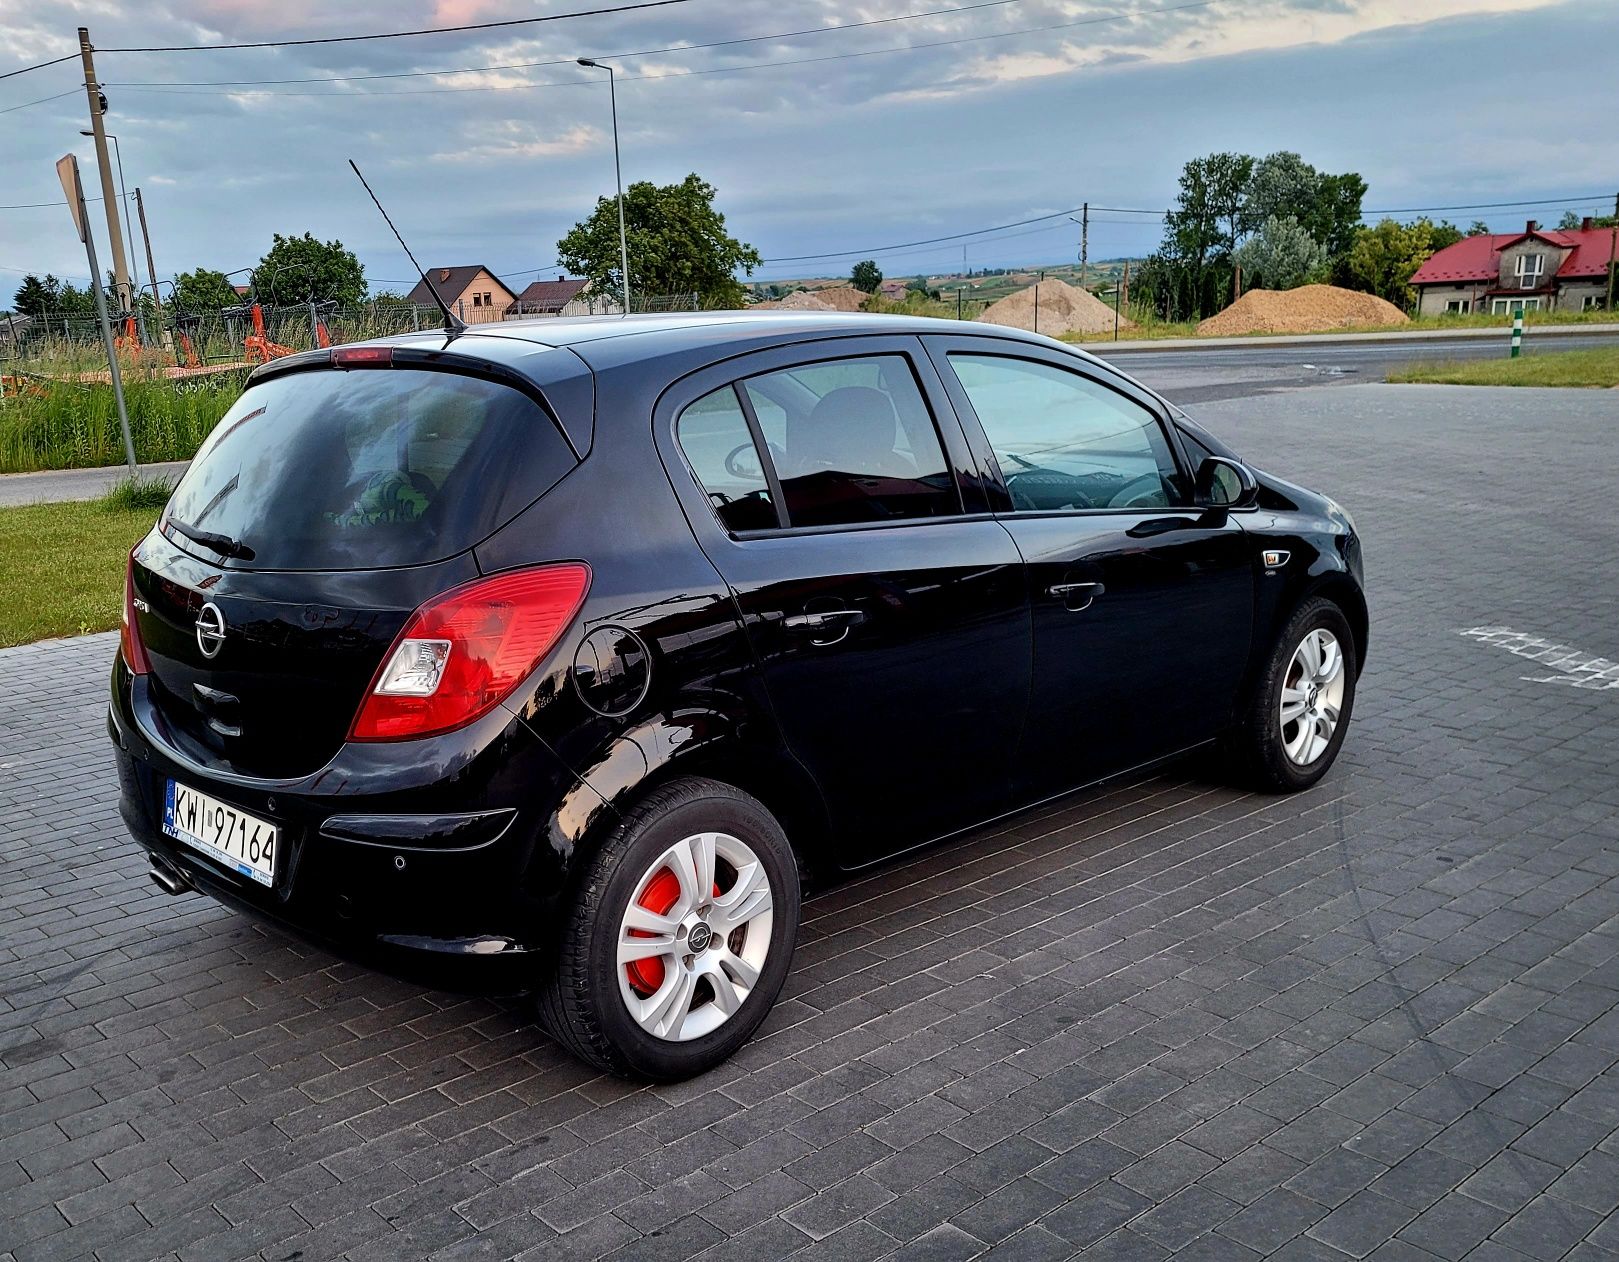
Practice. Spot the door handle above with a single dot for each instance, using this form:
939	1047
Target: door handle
1077	596
825	627
822	619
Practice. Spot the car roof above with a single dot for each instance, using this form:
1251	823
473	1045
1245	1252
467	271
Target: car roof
655	335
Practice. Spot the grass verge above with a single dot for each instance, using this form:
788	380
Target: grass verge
1590	368
62	568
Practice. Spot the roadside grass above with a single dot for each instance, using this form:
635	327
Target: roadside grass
62	568
49	421
138	493
1588	368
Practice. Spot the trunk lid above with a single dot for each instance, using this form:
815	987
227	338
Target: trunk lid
272	684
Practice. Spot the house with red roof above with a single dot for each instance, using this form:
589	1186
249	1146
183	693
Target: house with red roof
1562	269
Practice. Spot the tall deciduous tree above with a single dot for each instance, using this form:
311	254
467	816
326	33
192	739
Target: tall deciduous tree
677	245
203	290
296	269
866	275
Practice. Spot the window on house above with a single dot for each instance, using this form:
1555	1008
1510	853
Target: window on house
1508	305
1592	302
477	300
1529	269
1458	306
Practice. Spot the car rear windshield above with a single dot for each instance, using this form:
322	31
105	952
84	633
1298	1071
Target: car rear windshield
364	469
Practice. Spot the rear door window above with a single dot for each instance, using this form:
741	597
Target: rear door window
852	440
713	434
366	469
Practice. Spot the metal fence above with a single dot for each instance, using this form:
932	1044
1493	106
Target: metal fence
224	335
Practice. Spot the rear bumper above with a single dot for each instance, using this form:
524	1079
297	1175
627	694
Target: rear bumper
430	860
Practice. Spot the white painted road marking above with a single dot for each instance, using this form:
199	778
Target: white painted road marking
1572	666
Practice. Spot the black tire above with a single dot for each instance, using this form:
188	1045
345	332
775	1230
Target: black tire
1256	745
580	999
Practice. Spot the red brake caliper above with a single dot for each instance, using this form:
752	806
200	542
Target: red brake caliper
661	893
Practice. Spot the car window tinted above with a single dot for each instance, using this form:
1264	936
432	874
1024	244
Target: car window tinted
1064	441
853	441
366	469
713	434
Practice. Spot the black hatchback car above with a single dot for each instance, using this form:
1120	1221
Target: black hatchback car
554	652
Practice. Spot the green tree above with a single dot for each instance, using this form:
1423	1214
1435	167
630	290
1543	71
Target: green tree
1281	255
71	300
866	275
1385	255
296	269
203	290
1191	272
677	245
1572	219
35	296
1335	218
1478	228
1283	185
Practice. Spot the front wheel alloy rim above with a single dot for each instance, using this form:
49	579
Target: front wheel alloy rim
694	937
1312	697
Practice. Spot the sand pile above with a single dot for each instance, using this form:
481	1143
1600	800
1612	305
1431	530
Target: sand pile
1307	309
841	297
1063	309
800	301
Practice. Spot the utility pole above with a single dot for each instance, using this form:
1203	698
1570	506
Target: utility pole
109	198
1124	286
1084	243
1236	283
151	271
1613	252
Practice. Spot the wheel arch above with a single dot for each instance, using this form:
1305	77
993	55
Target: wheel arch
1338	587
705	743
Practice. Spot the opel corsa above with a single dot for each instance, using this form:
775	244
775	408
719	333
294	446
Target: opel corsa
553	653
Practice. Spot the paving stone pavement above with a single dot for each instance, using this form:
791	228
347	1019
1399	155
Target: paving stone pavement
1376	1020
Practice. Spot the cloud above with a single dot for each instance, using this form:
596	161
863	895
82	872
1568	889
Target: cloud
871	146
513	140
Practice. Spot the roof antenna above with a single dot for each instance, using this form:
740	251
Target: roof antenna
453	324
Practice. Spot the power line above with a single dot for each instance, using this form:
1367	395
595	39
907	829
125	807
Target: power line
38	65
434	30
568	61
39	205
713	70
12	109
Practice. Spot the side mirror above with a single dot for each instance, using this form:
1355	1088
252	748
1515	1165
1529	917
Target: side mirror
1223	483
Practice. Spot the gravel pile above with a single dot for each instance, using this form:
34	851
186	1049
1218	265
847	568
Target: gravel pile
1307	309
1064	308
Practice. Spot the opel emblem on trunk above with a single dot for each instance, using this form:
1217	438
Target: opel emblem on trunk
210	630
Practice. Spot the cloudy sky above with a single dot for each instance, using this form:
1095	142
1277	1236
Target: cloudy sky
892	129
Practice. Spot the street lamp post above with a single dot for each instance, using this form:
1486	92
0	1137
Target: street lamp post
123	196
618	175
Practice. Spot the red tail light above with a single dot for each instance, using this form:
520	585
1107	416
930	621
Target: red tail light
463	652
130	647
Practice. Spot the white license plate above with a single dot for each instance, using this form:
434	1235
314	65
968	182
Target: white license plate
242	842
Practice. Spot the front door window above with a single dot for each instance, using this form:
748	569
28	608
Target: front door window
1065	442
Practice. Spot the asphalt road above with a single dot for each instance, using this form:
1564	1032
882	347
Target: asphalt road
1200	375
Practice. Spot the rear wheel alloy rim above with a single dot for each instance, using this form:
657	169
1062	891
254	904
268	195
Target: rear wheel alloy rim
694	937
1312	697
